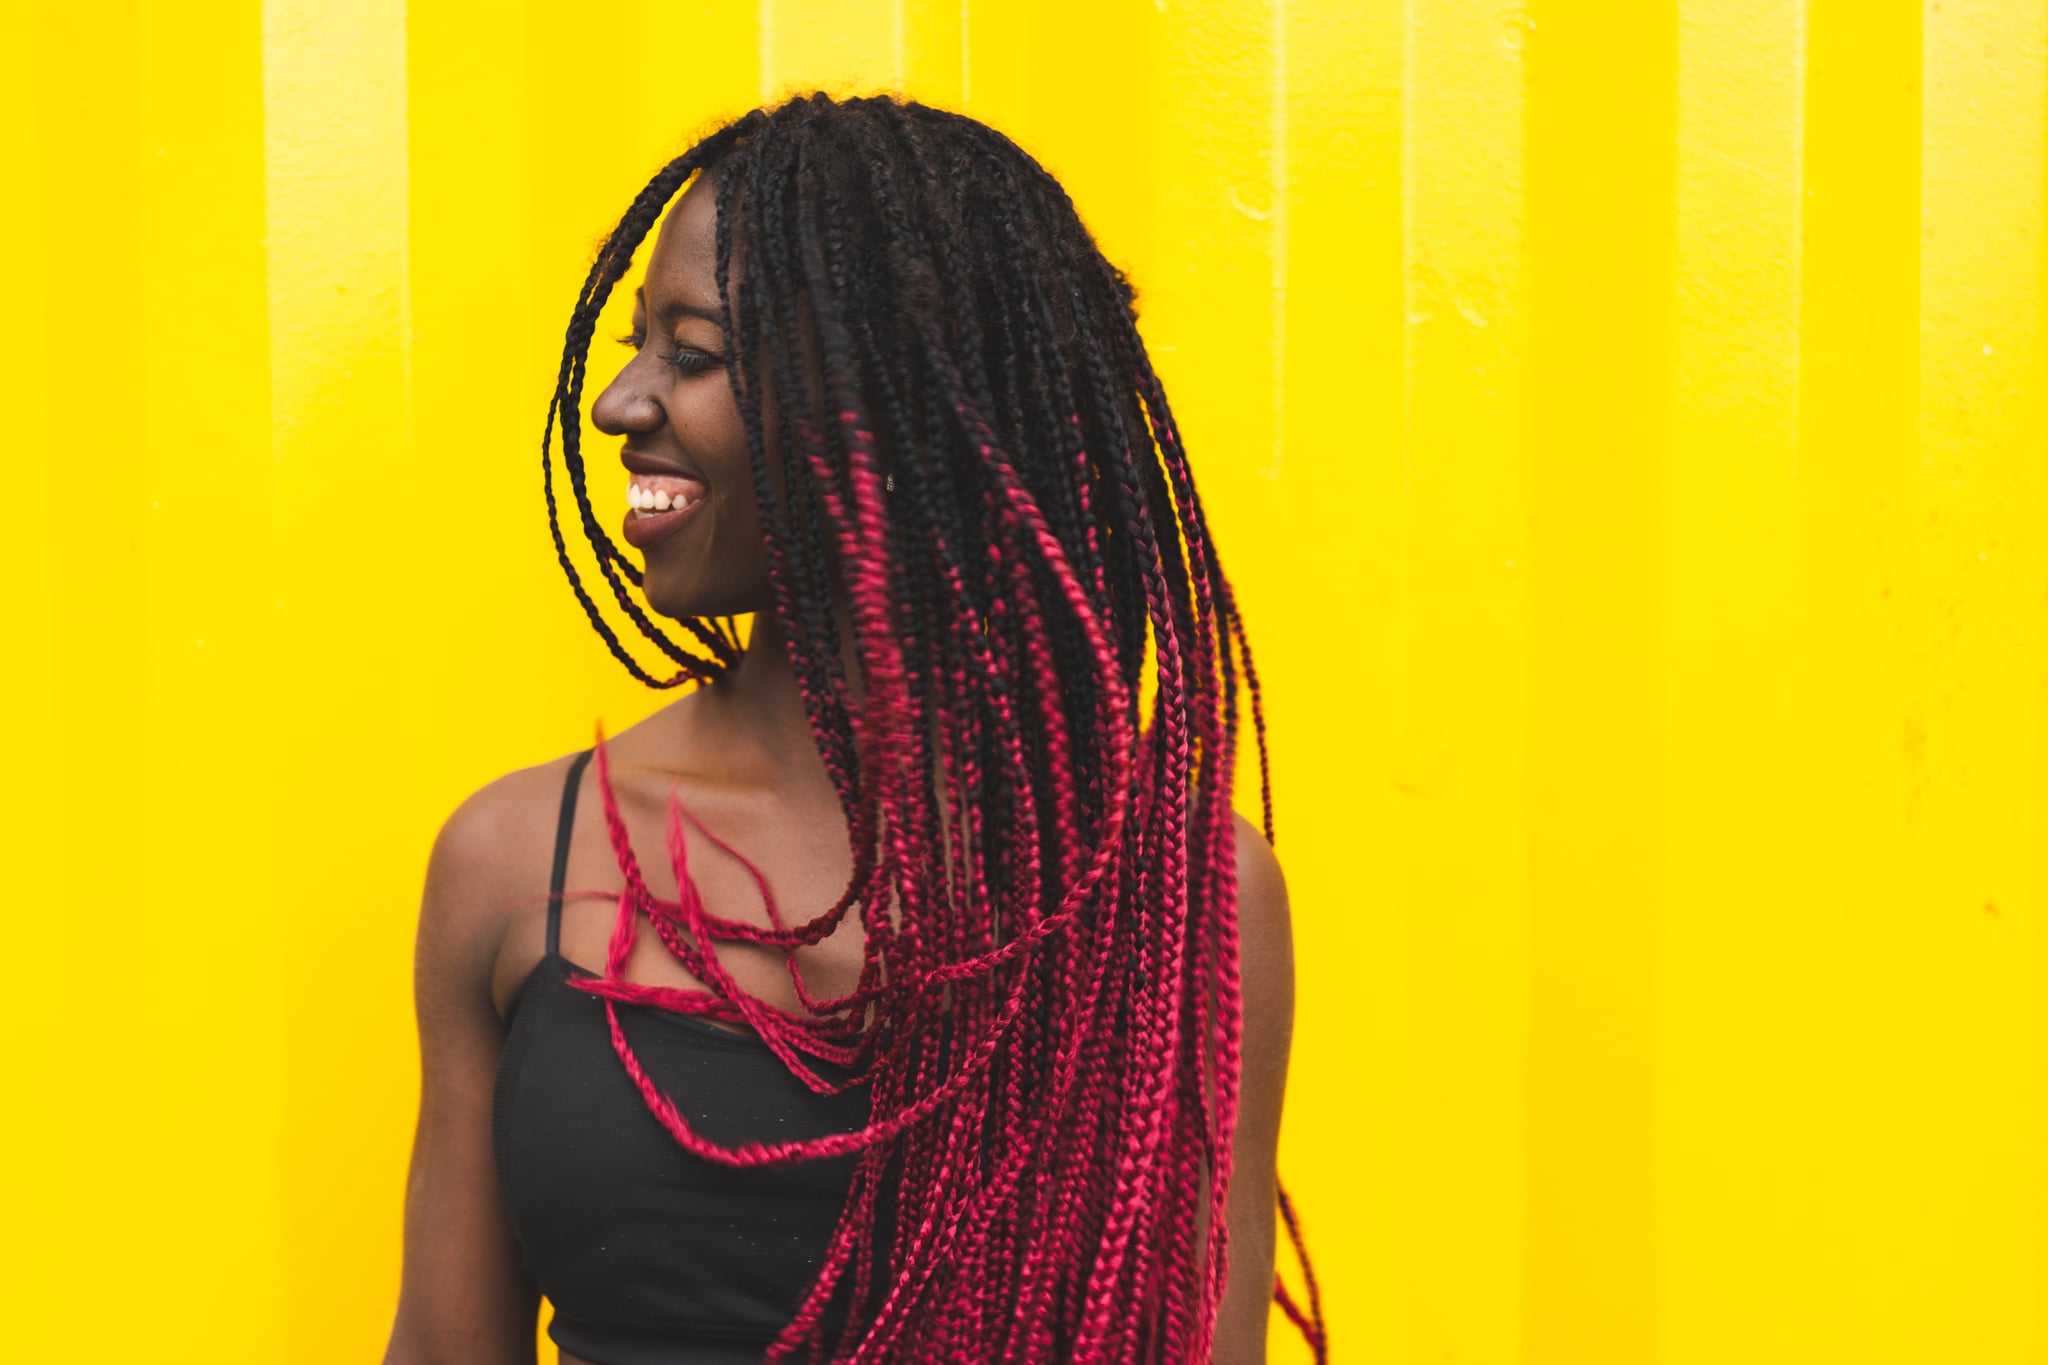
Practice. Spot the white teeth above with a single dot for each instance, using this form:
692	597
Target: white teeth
642	499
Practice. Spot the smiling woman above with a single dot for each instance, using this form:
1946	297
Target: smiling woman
683	432
951	1022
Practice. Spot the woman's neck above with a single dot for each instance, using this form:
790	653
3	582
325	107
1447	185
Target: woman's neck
755	715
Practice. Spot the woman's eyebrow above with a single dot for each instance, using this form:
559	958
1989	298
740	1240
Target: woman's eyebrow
673	307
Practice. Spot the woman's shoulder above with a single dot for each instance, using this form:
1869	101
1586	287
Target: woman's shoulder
1265	940
508	821
489	866
1259	878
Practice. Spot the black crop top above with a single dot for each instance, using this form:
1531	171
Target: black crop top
652	1256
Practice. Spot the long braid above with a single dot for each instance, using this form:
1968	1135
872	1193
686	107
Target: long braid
1047	1019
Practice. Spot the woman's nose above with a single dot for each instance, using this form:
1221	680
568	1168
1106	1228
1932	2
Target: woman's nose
625	407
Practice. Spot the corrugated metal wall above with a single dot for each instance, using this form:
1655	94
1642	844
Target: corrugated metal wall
1623	422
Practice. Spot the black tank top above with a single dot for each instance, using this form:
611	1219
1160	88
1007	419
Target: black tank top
652	1256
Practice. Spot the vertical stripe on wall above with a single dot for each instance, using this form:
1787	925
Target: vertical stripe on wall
1857	1048
1462	635
1974	680
29	579
1324	631
1732	970
91	273
341	438
1598	250
210	1119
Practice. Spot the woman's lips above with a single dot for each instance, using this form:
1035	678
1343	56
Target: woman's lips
657	505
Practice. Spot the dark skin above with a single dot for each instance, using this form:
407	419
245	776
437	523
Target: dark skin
741	756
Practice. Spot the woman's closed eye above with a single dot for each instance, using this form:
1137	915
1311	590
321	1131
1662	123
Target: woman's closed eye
684	359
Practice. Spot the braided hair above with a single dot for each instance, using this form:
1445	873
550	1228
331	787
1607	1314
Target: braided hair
977	458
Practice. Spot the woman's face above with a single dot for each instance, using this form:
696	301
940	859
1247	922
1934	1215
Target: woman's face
694	520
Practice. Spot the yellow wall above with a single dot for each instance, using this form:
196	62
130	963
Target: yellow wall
1623	422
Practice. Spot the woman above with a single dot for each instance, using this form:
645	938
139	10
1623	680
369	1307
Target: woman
925	1002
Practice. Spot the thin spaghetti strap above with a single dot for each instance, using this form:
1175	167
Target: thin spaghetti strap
562	828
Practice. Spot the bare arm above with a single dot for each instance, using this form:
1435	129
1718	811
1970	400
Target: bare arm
1267	976
463	1296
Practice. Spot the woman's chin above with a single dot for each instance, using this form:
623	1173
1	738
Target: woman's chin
678	591
670	594
676	604
671	607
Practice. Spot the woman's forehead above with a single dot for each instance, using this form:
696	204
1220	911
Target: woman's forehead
684	259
